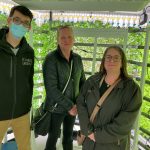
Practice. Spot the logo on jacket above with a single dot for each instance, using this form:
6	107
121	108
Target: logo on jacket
26	61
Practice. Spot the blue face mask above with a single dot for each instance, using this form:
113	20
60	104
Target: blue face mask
18	31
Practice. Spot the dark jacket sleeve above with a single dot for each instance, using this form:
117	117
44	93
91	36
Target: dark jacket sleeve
121	125
82	109
53	93
82	79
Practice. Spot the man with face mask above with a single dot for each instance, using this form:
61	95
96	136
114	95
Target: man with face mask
16	76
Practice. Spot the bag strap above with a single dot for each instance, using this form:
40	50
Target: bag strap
66	83
53	107
68	77
102	99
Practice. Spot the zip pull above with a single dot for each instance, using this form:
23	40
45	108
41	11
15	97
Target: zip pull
118	142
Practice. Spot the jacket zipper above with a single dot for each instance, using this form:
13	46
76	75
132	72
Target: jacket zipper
11	67
118	142
13	110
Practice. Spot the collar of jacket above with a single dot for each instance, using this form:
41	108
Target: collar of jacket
24	46
62	56
95	79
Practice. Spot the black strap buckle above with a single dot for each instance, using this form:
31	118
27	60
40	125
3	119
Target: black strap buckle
98	105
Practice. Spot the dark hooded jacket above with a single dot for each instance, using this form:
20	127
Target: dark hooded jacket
16	78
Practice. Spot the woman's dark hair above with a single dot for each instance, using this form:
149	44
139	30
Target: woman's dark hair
124	73
23	10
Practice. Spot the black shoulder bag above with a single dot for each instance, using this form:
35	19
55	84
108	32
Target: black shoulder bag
42	120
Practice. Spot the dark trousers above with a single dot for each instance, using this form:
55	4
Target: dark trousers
54	133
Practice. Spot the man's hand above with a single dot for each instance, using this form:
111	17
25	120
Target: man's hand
73	111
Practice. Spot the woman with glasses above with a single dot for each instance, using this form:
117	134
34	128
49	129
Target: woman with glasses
16	76
115	118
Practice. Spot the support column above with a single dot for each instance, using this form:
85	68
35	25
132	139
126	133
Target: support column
94	55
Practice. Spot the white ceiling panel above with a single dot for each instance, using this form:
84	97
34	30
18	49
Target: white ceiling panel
85	5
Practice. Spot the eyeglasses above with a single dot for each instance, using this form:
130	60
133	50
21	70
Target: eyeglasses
18	21
109	58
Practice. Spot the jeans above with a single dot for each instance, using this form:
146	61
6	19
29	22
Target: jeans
55	130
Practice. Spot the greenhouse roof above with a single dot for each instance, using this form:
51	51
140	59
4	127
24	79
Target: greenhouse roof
122	13
85	5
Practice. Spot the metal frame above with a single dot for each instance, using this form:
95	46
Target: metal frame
142	84
104	33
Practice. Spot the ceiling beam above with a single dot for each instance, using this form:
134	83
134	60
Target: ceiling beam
86	5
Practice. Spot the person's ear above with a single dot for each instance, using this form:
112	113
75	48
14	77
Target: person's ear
30	28
8	20
121	67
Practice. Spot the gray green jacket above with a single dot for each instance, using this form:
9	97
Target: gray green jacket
116	116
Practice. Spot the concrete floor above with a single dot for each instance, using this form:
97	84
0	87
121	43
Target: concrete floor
40	144
40	141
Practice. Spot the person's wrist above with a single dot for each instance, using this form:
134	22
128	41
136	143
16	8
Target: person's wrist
90	129
89	132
